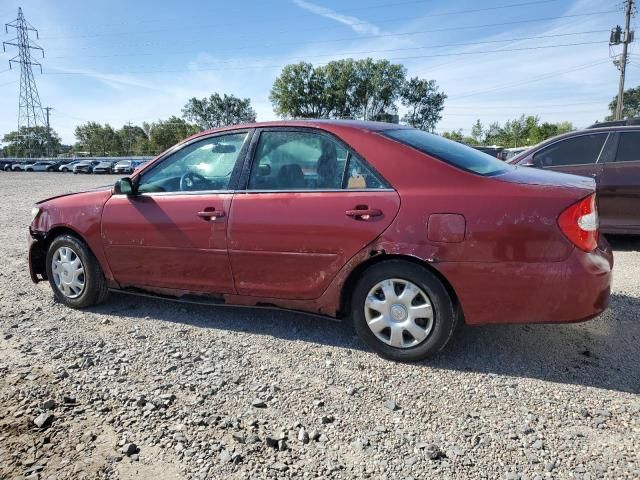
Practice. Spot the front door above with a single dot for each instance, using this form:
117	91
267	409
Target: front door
172	232
619	190
309	206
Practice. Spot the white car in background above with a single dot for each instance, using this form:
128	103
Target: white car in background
40	166
21	167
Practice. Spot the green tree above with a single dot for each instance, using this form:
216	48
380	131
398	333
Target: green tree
378	84
630	104
299	92
477	132
130	140
97	139
455	135
219	111
424	101
365	89
163	134
30	142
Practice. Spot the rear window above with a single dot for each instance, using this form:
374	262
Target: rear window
448	151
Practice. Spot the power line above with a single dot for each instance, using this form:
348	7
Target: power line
387	35
532	80
191	27
358	52
257	66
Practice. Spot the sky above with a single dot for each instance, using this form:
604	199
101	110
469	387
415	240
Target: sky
120	61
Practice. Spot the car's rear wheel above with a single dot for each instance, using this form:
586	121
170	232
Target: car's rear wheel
74	273
403	311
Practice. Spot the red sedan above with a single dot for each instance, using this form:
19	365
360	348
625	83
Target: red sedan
404	232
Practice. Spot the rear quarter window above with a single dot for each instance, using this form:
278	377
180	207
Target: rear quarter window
453	153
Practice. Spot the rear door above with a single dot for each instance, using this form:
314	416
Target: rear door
578	155
620	186
309	204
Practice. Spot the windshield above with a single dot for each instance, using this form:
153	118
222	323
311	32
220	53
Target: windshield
448	151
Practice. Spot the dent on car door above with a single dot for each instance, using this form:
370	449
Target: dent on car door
620	186
309	206
172	232
576	155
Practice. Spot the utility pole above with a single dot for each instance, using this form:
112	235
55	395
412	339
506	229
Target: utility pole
625	38
128	138
30	115
48	109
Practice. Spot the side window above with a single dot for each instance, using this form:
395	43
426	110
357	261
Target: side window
360	176
297	161
201	166
580	150
628	147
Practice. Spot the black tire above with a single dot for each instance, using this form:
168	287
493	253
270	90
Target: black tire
445	316
95	285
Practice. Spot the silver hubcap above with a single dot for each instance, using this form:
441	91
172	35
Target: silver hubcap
399	313
68	272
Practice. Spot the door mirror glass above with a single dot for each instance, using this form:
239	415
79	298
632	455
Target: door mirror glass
123	187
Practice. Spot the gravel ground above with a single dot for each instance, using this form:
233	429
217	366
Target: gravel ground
142	388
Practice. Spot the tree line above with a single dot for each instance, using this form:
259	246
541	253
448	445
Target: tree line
522	131
363	89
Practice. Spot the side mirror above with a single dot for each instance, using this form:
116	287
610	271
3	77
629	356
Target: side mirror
123	187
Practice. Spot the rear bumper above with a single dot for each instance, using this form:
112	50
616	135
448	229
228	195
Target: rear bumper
573	290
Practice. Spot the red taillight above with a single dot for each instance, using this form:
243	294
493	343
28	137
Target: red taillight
579	223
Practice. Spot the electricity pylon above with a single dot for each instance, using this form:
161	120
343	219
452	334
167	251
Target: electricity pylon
30	114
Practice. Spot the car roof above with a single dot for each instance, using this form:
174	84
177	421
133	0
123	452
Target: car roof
328	124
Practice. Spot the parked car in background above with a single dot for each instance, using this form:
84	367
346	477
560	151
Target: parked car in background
509	153
43	166
609	155
5	165
105	166
138	164
312	215
68	167
617	123
493	150
21	166
85	166
128	166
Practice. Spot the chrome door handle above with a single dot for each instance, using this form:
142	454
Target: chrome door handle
209	214
364	213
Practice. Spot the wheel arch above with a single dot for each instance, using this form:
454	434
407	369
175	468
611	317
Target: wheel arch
39	248
357	272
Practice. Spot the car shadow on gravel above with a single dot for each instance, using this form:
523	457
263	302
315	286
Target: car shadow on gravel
601	353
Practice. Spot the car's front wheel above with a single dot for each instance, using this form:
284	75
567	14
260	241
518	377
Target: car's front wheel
74	273
403	311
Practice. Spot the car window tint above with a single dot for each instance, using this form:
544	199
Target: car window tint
360	176
580	150
290	160
200	166
628	147
448	151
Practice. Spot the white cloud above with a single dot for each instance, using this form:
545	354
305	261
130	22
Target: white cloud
357	25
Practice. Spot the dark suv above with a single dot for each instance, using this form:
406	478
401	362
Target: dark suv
610	155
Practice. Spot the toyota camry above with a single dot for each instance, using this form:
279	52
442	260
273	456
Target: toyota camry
404	233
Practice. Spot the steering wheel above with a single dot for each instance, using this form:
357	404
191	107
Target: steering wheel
190	179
